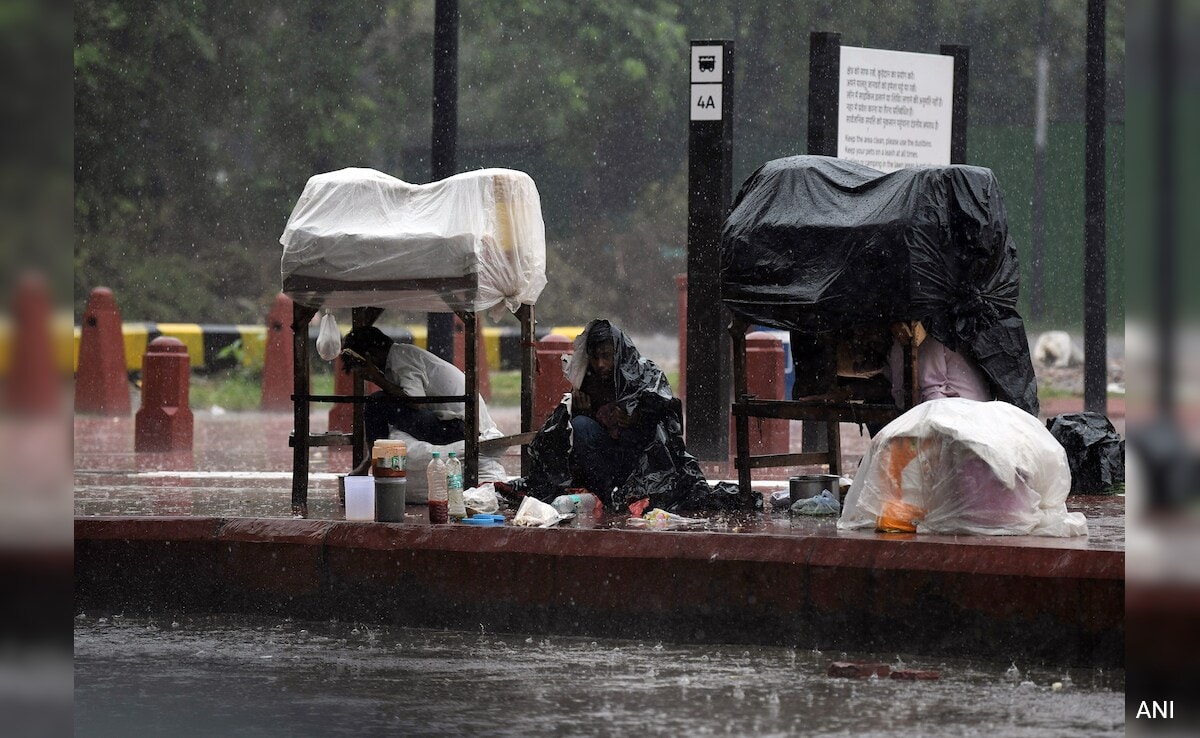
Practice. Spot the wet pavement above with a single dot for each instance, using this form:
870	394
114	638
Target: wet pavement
185	675
240	466
210	531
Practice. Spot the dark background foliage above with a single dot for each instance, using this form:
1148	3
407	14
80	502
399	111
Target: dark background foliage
197	124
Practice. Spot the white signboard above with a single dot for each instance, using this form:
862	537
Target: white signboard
707	71
706	102
894	108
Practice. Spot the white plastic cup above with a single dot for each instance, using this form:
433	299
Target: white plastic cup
360	498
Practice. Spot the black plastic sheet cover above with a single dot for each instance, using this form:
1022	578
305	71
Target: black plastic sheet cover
817	244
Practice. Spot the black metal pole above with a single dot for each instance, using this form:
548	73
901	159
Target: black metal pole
710	184
444	143
824	62
1166	243
959	99
1095	292
824	56
1037	235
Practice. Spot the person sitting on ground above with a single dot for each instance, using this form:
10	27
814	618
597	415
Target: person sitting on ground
607	440
403	371
619	434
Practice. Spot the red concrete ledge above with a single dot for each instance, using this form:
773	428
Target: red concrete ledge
907	594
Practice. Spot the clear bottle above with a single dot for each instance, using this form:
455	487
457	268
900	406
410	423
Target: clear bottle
583	503
454	484
439	502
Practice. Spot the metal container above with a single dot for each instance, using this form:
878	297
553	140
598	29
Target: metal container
811	485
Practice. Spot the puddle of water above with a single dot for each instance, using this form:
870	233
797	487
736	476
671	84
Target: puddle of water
225	675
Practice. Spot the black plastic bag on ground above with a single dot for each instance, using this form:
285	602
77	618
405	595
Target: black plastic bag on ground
1095	452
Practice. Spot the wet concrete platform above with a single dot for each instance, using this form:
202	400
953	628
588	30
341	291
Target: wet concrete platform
210	530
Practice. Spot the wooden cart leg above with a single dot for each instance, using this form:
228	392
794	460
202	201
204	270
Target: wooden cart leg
301	316
528	381
912	381
358	432
737	331
834	434
471	409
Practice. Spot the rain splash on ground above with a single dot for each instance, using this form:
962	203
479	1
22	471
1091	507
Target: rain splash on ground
215	675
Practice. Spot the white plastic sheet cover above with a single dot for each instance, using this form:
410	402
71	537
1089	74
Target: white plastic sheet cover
960	466
361	226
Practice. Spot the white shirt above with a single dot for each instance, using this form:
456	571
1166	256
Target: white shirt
422	374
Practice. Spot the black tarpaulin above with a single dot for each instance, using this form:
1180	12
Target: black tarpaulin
817	245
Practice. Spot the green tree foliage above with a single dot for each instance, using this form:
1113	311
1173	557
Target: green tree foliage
197	124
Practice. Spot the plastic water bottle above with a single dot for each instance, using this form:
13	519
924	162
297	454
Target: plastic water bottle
583	503
439	501
454	483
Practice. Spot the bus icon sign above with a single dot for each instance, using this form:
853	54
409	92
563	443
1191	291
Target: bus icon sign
708	63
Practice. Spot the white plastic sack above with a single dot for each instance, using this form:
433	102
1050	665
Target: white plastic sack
536	514
329	338
964	467
482	499
419	454
354	229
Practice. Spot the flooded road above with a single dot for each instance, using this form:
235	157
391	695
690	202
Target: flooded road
225	675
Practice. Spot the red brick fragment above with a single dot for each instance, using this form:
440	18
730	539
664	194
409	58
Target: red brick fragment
857	669
915	675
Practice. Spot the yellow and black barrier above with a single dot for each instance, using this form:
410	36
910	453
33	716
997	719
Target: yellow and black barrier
211	346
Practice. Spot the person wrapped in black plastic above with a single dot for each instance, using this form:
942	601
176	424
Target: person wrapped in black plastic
621	435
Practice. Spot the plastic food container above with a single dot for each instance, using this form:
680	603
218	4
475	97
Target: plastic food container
360	498
811	485
389	459
389	499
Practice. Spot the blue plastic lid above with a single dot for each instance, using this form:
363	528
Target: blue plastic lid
483	521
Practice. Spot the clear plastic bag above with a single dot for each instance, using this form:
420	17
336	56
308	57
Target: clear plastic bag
329	339
958	466
823	504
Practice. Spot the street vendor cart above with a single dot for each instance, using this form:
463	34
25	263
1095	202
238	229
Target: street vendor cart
836	252
361	239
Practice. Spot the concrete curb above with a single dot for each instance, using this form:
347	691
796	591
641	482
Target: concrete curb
882	593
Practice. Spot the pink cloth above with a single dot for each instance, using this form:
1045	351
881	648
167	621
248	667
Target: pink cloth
940	373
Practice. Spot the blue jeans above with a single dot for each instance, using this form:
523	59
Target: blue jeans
602	462
383	410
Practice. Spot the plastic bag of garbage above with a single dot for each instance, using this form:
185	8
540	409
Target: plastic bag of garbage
329	339
659	519
959	466
823	504
482	499
536	514
420	452
1095	452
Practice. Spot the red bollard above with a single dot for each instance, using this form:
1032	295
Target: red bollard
164	421
764	379
33	387
102	382
277	376
551	382
460	354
